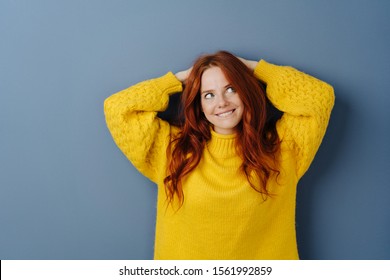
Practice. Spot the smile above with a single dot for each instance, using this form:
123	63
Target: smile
225	114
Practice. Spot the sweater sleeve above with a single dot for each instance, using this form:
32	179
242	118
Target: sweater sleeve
131	117
306	103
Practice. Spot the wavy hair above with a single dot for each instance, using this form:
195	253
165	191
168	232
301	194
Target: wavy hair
257	142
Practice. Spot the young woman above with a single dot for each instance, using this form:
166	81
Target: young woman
227	175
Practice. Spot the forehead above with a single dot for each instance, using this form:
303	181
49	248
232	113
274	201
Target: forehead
213	77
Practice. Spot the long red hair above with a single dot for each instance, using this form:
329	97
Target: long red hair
257	141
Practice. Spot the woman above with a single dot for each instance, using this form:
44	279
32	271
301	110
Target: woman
227	176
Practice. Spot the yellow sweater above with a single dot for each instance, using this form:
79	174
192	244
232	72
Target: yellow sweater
222	216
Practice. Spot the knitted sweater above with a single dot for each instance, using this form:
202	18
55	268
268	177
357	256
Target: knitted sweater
222	216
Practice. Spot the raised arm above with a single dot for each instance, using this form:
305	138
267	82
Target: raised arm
131	117
306	102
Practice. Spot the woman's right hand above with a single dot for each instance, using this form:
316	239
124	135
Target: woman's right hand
183	75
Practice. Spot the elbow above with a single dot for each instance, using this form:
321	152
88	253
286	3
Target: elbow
108	110
108	106
329	94
332	96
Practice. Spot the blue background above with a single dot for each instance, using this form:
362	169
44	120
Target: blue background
67	192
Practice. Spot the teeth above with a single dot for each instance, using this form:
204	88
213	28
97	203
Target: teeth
225	114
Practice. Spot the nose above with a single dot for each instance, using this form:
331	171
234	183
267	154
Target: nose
222	101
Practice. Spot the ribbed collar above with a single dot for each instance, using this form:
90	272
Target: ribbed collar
221	145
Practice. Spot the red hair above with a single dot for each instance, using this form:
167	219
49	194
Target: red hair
257	141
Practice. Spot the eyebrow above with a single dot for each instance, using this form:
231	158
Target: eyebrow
211	90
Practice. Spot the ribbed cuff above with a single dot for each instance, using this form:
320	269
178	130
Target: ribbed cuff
169	84
266	71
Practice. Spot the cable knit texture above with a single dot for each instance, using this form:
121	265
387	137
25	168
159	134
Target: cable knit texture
222	216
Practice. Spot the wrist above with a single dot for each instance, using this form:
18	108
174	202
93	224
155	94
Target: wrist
251	64
180	76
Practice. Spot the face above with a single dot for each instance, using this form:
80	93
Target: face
220	102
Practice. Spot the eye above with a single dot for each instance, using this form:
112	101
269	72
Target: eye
230	90
208	95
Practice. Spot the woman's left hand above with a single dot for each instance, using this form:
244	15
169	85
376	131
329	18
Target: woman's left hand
251	64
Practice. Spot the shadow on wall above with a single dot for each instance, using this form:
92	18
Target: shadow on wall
172	113
308	187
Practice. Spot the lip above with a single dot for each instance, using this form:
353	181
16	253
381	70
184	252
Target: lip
227	111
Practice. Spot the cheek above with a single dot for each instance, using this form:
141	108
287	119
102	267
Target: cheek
206	108
241	105
238	101
241	115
